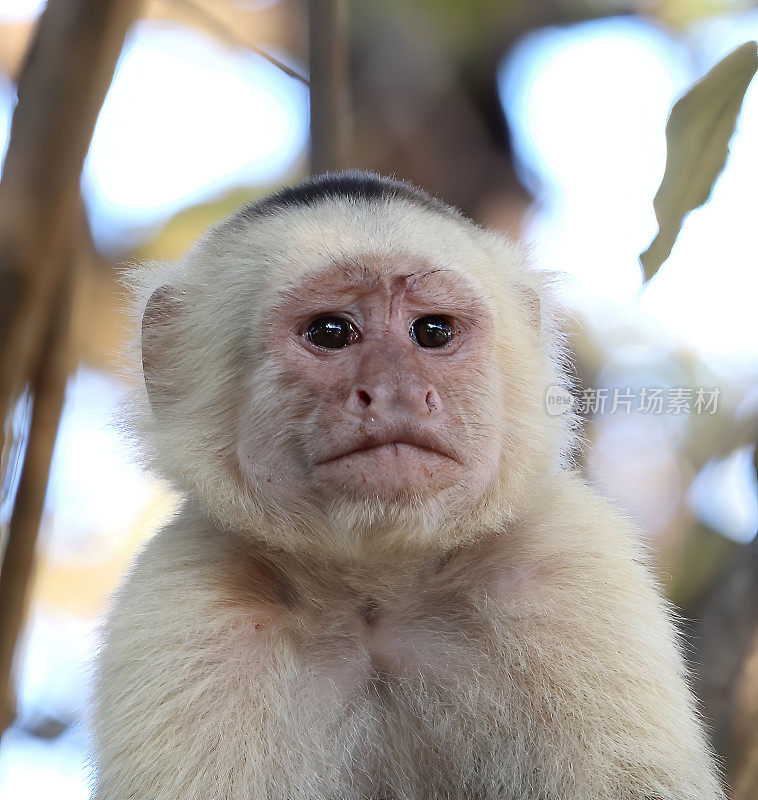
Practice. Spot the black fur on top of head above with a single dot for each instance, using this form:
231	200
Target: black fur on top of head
354	185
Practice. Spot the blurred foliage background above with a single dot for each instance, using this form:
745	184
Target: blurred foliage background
545	120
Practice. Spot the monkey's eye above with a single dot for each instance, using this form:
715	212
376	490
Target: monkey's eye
331	332
432	331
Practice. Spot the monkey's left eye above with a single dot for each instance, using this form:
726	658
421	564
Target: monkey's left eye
331	332
432	331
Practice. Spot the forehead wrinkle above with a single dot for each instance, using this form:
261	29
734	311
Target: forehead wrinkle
351	269
328	284
359	274
364	273
452	285
427	277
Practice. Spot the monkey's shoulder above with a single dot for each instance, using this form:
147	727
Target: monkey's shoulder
193	580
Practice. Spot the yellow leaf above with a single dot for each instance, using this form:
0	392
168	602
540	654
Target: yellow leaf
698	132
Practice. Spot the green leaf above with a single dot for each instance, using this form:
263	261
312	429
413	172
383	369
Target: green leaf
698	133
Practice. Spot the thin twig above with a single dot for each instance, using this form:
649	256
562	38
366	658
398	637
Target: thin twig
228	34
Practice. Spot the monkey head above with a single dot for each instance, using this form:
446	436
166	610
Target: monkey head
350	363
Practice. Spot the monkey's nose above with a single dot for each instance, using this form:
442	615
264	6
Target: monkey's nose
411	397
433	402
367	401
363	398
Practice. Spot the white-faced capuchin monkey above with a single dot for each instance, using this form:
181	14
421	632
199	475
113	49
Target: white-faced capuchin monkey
386	582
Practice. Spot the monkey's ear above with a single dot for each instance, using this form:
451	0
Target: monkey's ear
159	340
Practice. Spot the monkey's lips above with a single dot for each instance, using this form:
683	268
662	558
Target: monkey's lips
397	463
392	461
390	451
389	468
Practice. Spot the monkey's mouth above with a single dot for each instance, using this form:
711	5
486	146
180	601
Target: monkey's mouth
392	449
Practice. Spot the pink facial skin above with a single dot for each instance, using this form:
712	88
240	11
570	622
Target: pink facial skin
388	417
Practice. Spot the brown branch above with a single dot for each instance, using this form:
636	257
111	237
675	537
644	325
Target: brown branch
48	386
61	89
745	727
725	664
329	73
62	86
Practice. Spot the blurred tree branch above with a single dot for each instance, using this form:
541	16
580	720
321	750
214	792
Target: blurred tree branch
725	664
61	88
415	116
329	73
48	386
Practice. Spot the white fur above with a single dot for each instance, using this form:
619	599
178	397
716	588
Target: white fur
520	650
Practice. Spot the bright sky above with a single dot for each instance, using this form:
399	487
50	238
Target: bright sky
20	10
588	105
187	118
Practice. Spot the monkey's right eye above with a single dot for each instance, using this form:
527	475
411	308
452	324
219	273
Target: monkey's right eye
331	332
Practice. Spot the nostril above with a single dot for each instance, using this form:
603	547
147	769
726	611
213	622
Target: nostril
364	398
431	401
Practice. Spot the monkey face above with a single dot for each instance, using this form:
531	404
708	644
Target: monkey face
353	361
392	371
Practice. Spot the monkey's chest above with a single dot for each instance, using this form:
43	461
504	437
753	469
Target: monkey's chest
393	645
400	696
